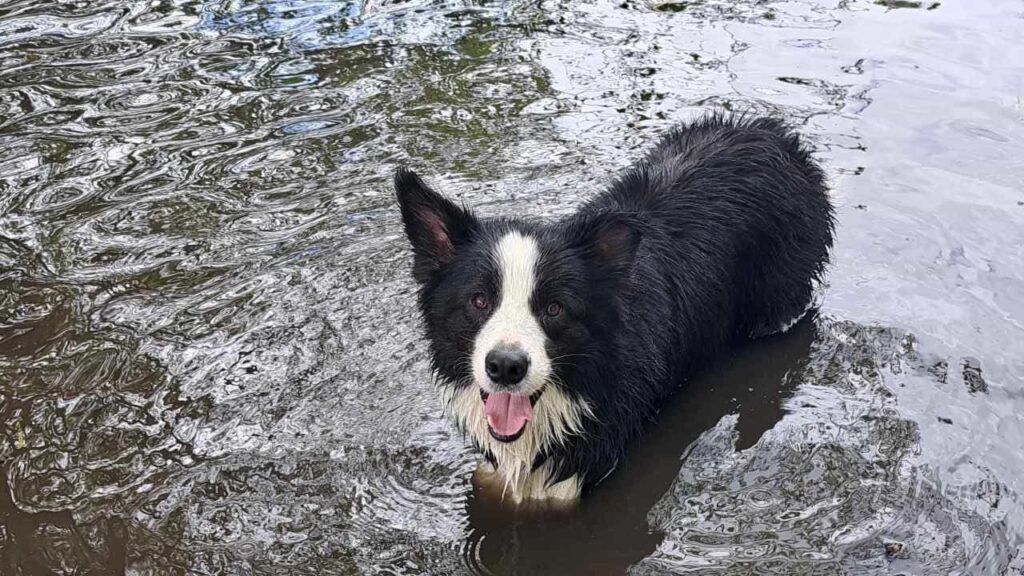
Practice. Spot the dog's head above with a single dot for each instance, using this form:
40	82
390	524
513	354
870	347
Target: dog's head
513	309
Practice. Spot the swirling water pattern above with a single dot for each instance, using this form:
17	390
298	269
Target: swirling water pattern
210	360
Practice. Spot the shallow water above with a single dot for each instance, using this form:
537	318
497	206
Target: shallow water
210	359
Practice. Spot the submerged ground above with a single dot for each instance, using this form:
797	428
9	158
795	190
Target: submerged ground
210	360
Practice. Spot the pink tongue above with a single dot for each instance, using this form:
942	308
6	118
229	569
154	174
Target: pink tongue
507	413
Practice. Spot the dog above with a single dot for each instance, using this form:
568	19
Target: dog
555	343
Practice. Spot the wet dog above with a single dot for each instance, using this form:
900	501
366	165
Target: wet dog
557	342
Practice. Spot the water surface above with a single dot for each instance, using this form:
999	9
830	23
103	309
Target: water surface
210	359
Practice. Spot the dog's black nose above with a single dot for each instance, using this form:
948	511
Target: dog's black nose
506	367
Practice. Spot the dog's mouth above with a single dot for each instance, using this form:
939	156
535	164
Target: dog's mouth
507	414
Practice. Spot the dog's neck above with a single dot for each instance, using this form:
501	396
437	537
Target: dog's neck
532	487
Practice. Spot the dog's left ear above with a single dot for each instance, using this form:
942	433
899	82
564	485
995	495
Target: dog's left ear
435	226
610	239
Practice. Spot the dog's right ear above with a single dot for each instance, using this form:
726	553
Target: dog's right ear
609	239
435	226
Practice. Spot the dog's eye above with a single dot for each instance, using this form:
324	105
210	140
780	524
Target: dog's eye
553	309
479	301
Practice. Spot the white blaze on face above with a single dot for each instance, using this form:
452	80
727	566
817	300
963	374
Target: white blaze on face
513	323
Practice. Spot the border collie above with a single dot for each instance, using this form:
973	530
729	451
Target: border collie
557	342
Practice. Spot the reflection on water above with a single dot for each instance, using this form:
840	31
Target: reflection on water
209	354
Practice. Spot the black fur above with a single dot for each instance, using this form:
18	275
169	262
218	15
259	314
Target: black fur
718	235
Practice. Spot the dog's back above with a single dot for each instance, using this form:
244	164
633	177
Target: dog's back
735	215
736	228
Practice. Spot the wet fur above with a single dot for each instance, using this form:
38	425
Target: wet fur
718	235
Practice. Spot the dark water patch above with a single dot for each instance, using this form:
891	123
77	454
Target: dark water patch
891	4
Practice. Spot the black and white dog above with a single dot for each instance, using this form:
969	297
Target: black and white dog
556	343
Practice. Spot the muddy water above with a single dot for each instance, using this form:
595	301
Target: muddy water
210	361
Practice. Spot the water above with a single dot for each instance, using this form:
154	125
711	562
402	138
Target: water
210	360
